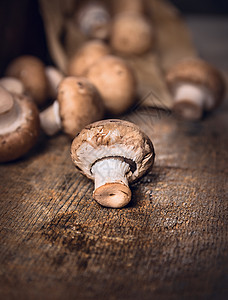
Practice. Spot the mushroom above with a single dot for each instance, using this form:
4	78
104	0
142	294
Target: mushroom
54	77
31	71
116	83
78	104
131	33
93	19
113	153
196	87
12	85
86	56
19	125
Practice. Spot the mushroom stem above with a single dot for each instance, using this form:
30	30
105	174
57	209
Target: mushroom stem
50	119
190	100
54	77
12	85
9	112
111	185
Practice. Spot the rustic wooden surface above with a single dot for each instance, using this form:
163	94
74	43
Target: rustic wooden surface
170	243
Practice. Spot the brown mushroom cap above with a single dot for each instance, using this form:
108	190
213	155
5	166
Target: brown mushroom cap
115	81
117	139
86	56
131	33
79	104
200	73
31	71
18	142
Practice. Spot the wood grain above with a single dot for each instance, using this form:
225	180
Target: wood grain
57	242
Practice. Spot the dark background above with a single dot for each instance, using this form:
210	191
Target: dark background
22	30
202	6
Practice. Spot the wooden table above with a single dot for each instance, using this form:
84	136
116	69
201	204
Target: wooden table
171	241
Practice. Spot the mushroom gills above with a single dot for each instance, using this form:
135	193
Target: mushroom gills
111	185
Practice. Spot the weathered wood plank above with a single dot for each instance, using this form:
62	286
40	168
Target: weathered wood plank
171	240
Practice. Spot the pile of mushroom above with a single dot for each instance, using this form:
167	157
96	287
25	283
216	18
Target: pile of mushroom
122	23
128	32
196	87
29	84
112	76
113	153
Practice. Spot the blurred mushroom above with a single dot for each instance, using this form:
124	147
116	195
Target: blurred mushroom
54	77
93	19
196	87
131	33
116	83
113	153
19	125
133	6
31	71
77	105
86	56
12	85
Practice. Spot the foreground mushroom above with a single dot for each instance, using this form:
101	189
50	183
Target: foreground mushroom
116	83
89	53
113	153
19	125
93	19
31	71
131	33
196	87
77	105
